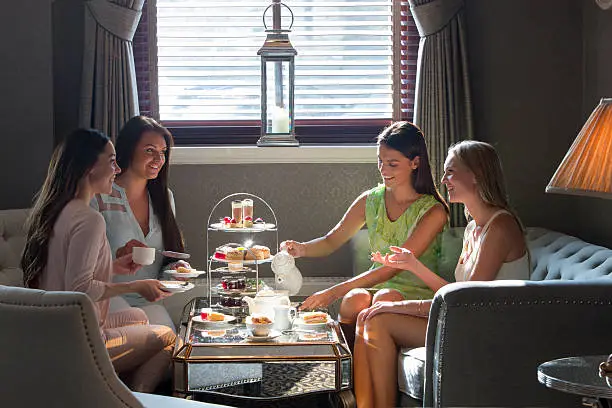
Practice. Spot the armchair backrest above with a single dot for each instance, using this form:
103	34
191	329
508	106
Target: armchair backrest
53	354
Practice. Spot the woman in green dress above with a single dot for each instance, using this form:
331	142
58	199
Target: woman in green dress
406	210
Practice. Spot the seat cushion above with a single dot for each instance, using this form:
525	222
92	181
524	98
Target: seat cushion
411	371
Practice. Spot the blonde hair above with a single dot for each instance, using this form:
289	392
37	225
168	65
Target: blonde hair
482	160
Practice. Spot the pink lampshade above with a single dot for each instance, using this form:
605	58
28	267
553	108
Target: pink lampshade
587	166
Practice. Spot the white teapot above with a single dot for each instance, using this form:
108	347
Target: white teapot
265	300
288	276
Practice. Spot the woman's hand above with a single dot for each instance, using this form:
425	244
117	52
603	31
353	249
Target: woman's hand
127	248
377	308
149	289
293	248
320	299
399	258
125	265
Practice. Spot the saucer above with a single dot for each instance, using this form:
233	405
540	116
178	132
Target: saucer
260	339
191	274
176	286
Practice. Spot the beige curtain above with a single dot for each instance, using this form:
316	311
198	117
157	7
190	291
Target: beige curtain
108	91
442	102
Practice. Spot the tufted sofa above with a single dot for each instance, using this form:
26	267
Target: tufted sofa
12	242
486	339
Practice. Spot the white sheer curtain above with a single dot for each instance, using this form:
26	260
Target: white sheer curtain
108	90
443	103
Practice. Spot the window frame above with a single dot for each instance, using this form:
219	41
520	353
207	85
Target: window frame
308	132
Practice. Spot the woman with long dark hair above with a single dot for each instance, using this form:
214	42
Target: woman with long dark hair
139	211
494	248
67	249
406	210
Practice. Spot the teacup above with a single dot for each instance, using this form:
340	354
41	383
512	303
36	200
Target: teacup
258	329
143	255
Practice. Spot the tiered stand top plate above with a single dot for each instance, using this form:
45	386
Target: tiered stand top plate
255	228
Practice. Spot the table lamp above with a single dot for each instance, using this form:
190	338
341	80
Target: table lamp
586	169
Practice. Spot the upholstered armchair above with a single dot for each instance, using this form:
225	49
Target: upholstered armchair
52	355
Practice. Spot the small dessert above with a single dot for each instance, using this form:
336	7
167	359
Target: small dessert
227	221
229	301
259	221
231	283
212	316
247	222
235	266
257	252
314	317
221	251
234	254
234	223
260	320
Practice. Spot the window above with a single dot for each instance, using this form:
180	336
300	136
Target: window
205	85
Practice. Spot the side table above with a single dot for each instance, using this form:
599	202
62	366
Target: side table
580	376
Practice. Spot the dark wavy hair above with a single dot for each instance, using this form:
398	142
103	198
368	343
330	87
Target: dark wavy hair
408	139
71	161
126	143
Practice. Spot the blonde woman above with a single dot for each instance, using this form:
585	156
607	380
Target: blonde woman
493	248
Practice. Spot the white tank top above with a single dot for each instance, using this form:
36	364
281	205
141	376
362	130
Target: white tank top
517	269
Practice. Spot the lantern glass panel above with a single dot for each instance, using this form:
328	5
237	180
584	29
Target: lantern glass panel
278	110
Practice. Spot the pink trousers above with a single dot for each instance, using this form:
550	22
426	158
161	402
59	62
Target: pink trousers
140	352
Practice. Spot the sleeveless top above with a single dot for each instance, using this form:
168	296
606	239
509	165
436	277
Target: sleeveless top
517	269
383	233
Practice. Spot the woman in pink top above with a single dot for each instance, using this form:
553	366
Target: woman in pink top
67	249
493	248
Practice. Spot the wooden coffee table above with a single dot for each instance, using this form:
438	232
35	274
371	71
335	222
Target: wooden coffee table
224	362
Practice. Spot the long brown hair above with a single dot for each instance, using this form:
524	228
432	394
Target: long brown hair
71	161
483	161
408	139
127	140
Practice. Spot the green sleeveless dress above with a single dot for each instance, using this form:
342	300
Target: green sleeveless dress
384	233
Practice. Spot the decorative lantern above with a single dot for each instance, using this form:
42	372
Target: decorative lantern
277	82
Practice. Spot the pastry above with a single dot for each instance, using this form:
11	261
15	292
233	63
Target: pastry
212	316
314	317
183	269
258	252
226	222
259	221
260	320
234	254
234	223
216	317
247	222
